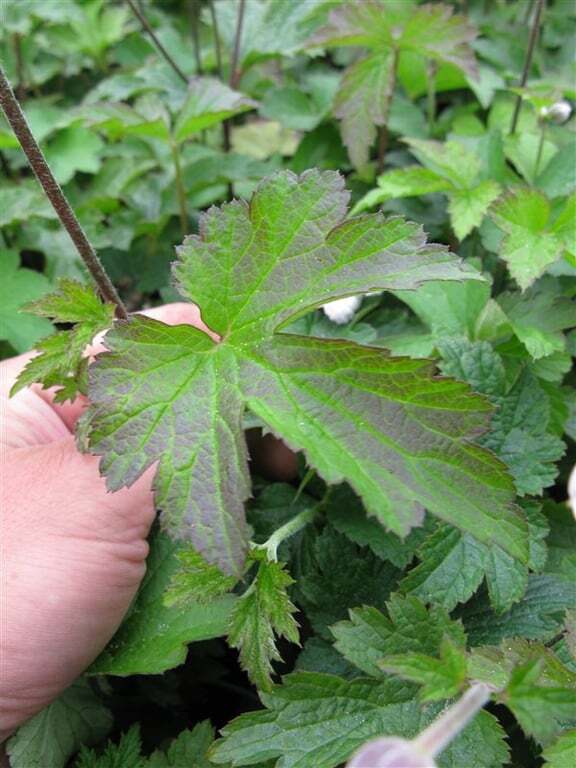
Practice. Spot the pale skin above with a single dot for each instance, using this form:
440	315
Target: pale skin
72	555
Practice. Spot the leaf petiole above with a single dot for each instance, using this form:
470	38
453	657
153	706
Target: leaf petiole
298	522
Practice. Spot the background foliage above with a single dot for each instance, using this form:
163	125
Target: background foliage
413	103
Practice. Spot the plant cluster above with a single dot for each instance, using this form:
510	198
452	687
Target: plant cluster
413	163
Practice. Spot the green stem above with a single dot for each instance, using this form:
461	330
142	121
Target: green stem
528	60
180	191
52	190
384	134
298	522
216	34
540	148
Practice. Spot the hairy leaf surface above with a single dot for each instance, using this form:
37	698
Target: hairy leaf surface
315	720
399	435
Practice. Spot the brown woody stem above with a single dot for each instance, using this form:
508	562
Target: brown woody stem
528	60
19	125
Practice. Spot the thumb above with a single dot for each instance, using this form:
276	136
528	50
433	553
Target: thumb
73	555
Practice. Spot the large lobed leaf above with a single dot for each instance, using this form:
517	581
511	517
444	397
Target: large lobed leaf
399	435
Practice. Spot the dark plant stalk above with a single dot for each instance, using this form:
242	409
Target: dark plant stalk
216	34
528	60
17	121
234	78
145	23
235	73
180	191
6	170
195	16
384	133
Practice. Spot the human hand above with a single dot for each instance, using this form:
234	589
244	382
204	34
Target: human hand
72	555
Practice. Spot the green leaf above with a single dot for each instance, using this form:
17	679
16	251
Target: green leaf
341	576
208	103
440	678
520	433
363	103
538	616
318	721
451	160
19	287
539	315
347	516
389	30
447	308
21	202
561	754
293	108
451	569
125	754
467	207
528	247
355	412
453	566
196	581
539	709
74	149
432	31
154	637
189	749
52	736
557	178
449	168
61	361
409	627
412	181
263	611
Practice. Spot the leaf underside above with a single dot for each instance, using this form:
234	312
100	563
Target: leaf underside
397	433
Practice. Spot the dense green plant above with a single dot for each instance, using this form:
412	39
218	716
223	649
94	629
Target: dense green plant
419	552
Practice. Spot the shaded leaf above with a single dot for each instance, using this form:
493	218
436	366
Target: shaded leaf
154	637
410	626
52	736
125	754
19	287
562	754
208	103
441	678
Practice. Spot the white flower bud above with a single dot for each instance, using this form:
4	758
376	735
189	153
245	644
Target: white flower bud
559	112
391	753
342	310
